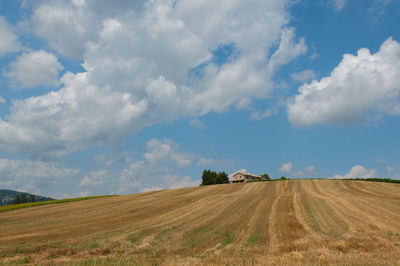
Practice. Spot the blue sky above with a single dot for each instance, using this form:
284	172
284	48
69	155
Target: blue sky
100	97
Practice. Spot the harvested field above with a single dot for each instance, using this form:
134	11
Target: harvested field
313	222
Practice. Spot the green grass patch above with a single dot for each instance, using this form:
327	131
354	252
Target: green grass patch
228	238
40	203
386	180
254	239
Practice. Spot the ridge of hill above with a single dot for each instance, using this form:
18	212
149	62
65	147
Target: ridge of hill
7	197
287	222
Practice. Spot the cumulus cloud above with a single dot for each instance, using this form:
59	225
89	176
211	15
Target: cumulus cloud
256	115
176	181
164	152
361	87
95	179
2	100
339	4
9	41
286	167
309	171
198	123
358	171
288	48
74	117
304	75
35	68
32	176
138	56
156	170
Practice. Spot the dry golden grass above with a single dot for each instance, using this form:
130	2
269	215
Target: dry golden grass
312	222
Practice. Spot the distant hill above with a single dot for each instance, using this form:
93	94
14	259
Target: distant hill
7	197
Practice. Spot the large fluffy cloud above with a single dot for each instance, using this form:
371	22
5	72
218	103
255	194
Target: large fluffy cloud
8	40
148	62
35	68
71	118
362	86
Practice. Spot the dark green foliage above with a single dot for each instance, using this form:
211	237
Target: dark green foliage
32	198
210	178
283	178
24	198
266	177
17	200
387	180
8	197
222	178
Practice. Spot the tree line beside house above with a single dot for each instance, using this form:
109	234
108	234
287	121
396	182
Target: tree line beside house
211	178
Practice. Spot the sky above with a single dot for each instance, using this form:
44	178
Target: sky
117	97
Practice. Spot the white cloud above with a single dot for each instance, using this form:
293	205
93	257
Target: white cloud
94	179
362	86
198	123
288	48
176	181
304	75
35	68
164	152
309	171
2	100
156	170
389	169
255	115
380	6
9	41
74	117
32	176
137	58
358	171
208	162
286	167
339	4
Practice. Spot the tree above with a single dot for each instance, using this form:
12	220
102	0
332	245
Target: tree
222	178
211	177
283	178
265	177
206	178
17	200
32	198
24	198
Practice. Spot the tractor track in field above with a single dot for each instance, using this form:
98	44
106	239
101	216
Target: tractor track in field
280	222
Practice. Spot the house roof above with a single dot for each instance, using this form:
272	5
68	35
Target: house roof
246	174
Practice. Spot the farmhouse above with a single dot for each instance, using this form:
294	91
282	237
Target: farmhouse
241	177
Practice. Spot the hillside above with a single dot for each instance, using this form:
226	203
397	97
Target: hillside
7	196
281	222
